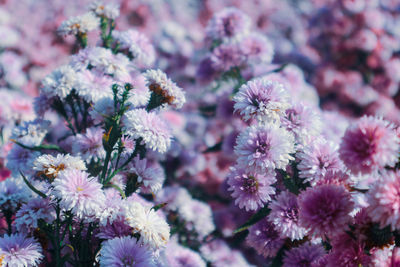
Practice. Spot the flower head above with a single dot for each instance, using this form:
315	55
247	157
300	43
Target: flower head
228	24
51	166
151	128
19	251
161	85
60	82
284	215
79	25
110	10
384	200
125	251
325	209
79	193
305	255
264	146
264	238
262	99
251	190
153	229
179	256
369	144
151	175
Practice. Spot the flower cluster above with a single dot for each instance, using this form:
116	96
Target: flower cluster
199	133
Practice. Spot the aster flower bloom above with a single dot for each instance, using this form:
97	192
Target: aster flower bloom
51	166
219	254
303	121
179	256
263	147
60	82
13	192
305	255
78	193
228	24
26	218
19	251
79	25
110	10
125	251
174	196
138	45
384	200
198	217
93	85
257	48
151	175
251	190
21	159
153	229
227	56
317	158
147	125
161	85
264	238
284	215
31	133
369	144
262	99
325	209
89	145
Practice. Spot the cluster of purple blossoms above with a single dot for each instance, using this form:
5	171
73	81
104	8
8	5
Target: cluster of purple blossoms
281	150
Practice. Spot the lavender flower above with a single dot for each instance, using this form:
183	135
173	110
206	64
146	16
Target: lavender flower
179	256
79	25
125	251
250	189
305	255
264	238
151	175
284	215
263	147
89	145
19	251
262	99
79	193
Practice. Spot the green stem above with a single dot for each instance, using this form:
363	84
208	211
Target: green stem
57	236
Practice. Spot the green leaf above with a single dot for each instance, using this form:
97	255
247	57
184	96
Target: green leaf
41	147
159	206
262	213
32	187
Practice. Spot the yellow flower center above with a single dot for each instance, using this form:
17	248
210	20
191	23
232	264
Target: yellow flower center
79	189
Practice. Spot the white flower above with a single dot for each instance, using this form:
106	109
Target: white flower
110	11
198	215
51	166
153	229
150	127
60	82
93	86
80	24
160	84
138	44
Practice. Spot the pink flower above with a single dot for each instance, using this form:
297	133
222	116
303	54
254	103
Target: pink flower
325	209
369	144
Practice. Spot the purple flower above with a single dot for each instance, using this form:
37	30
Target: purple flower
17	250
263	147
264	238
303	256
89	145
262	99
179	256
151	175
228	24
284	215
26	218
93	85
226	56
150	127
317	158
257	48
325	209
369	144
125	251
303	121
250	189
